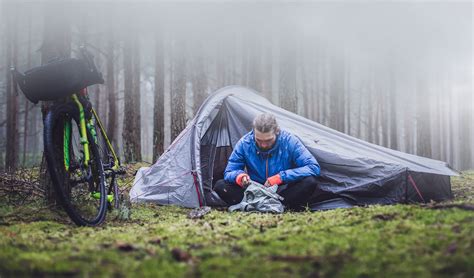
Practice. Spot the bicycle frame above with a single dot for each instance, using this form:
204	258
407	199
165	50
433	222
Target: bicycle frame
109	145
83	127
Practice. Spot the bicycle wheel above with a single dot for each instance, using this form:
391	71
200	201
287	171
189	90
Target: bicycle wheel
80	188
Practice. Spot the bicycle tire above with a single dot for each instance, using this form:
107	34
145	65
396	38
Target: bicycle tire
60	176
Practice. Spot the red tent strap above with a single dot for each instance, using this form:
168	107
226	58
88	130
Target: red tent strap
196	184
416	188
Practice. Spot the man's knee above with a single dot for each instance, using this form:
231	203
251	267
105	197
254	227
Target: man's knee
308	183
220	185
229	192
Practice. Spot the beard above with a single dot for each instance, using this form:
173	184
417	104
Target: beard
264	149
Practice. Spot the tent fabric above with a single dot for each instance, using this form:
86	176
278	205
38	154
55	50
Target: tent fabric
353	172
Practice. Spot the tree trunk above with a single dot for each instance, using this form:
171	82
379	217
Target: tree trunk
131	132
465	120
370	114
409	126
384	112
136	99
111	93
267	69
393	112
178	91
199	79
359	114
220	65
26	101
451	136
423	133
255	72
336	95
56	44
347	96
159	108
378	109
245	61
287	90
11	157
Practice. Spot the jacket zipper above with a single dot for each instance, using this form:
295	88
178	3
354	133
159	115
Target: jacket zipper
266	169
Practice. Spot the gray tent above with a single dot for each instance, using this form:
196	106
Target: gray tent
353	172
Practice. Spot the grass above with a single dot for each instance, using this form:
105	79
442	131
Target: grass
375	241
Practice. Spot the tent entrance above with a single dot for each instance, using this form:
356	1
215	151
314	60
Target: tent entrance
216	148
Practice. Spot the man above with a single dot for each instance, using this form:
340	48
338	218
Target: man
270	156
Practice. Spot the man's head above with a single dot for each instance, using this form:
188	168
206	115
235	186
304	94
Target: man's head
266	130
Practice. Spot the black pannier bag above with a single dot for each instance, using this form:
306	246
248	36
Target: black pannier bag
57	79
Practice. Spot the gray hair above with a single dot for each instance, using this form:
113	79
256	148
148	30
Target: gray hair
266	122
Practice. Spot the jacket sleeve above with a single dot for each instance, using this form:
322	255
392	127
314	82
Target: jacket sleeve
306	164
236	164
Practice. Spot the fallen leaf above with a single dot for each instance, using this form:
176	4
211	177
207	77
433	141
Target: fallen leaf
155	241
452	247
125	247
384	217
180	255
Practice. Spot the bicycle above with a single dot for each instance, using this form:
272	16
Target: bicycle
81	161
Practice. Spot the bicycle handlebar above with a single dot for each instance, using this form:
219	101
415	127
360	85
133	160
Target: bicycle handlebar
89	59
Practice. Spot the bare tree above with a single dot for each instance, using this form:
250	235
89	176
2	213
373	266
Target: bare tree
26	102
199	78
56	44
255	63
370	114
131	129
465	118
336	94
136	67
221	74
393	110
11	158
384	113
111	93
178	91
288	86
267	67
423	120
159	109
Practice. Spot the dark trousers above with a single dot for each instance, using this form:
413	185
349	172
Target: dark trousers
296	194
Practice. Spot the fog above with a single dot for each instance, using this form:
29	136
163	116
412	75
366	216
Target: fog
415	56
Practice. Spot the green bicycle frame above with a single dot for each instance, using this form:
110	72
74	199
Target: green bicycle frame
109	145
83	133
66	138
83	127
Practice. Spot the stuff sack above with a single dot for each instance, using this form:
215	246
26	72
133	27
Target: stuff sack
260	198
57	79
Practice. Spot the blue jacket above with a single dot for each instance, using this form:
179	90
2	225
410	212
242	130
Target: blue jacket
288	157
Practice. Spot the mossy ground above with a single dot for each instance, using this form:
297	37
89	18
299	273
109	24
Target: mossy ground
376	241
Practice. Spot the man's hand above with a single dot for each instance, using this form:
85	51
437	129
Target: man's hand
271	181
243	180
246	180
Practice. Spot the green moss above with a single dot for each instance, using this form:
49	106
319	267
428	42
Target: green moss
388	241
